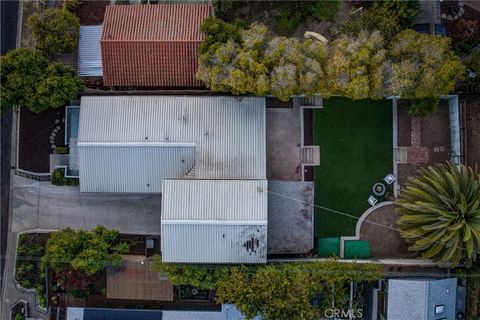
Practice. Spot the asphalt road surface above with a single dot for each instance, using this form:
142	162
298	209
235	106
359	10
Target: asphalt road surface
9	19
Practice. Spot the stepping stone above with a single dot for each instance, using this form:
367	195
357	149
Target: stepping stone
57	121
53	146
57	127
63	120
54	130
450	18
53	134
460	4
443	16
462	10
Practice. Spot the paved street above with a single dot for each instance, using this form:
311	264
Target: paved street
9	19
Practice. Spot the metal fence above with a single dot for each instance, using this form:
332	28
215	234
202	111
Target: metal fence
31	292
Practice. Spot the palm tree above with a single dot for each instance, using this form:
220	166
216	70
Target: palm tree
440	213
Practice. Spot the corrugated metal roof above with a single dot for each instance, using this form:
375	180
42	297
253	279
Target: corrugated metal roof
131	169
89	53
215	243
214	221
228	134
152	45
222	200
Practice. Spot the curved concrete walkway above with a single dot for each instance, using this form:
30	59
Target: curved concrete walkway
360	221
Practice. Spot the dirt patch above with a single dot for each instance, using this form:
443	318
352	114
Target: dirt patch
434	139
385	241
268	13
92	12
436	133
404	124
28	8
34	138
473	131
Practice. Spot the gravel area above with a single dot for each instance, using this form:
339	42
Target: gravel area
34	138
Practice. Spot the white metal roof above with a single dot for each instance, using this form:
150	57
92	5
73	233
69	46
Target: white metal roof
227	134
201	243
89	53
214	221
131	169
225	200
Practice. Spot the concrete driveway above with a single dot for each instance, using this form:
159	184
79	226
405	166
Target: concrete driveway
41	205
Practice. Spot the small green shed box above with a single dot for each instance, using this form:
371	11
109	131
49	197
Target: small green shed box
356	249
328	247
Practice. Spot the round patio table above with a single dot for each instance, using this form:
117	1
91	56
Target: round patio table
379	189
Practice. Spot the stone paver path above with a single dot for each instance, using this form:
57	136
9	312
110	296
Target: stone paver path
416	154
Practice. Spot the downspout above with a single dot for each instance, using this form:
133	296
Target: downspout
454	129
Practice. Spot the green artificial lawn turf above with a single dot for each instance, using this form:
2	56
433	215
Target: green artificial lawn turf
355	139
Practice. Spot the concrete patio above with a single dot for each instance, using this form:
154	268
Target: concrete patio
290	217
380	228
283	142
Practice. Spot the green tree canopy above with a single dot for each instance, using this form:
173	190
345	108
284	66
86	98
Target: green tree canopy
275	291
422	66
55	31
28	80
58	87
440	213
356	66
285	291
20	71
88	251
200	276
386	16
251	61
415	66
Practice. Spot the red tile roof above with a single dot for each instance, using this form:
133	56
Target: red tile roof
152	45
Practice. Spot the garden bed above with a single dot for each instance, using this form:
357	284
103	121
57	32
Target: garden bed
355	139
287	18
433	137
464	31
34	138
473	293
31	248
28	271
473	131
